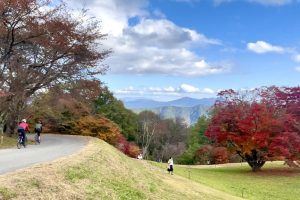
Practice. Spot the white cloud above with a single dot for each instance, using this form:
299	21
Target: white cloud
114	14
296	58
264	47
148	45
189	88
262	2
152	60
297	69
186	1
219	2
161	47
272	2
165	34
208	91
182	90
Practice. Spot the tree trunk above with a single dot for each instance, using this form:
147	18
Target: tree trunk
254	160
12	108
1	132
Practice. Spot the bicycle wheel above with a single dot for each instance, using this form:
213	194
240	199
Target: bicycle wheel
36	138
19	144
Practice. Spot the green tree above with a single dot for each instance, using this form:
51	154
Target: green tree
195	141
110	107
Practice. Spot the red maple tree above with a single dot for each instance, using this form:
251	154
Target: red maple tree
255	125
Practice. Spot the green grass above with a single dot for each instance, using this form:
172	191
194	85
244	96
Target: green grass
275	181
11	142
73	174
8	142
108	174
33	182
6	194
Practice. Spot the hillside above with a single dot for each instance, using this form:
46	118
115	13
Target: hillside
99	171
189	114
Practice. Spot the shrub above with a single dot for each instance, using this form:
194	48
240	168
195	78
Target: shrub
208	154
128	148
96	126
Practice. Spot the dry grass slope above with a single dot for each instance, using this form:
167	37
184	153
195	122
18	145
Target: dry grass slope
99	171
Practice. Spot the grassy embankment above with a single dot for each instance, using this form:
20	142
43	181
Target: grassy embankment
8	142
99	171
275	181
11	142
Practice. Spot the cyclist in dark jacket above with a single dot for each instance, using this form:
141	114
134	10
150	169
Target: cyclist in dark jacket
38	129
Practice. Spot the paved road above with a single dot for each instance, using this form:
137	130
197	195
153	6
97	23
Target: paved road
51	148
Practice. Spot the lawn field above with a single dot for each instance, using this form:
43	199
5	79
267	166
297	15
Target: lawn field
274	181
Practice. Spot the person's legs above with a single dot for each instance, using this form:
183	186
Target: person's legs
22	131
39	135
20	134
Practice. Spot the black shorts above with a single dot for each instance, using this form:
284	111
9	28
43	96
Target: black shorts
21	131
170	169
38	131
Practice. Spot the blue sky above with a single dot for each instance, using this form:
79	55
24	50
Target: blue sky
167	49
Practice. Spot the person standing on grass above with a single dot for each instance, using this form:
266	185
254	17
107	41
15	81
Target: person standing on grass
140	157
170	166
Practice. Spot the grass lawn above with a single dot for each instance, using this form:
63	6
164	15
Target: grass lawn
275	181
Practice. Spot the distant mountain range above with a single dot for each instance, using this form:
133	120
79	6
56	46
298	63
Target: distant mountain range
189	109
182	102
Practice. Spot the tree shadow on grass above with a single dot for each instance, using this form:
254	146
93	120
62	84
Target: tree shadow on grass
286	172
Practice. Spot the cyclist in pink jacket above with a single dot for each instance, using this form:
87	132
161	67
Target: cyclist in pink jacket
22	129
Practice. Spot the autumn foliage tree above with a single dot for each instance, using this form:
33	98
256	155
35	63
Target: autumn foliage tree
65	103
255	126
41	43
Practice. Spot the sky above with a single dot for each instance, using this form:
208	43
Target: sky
168	49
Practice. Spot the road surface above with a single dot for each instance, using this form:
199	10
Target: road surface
51	148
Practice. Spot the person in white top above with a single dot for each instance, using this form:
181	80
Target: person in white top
140	157
170	166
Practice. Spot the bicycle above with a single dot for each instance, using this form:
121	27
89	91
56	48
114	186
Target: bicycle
37	138
20	142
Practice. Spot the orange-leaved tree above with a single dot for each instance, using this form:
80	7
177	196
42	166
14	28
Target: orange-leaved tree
97	126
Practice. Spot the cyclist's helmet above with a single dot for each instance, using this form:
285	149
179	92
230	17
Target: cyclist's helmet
24	120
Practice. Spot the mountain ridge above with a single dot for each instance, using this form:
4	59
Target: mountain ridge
186	108
190	115
181	102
